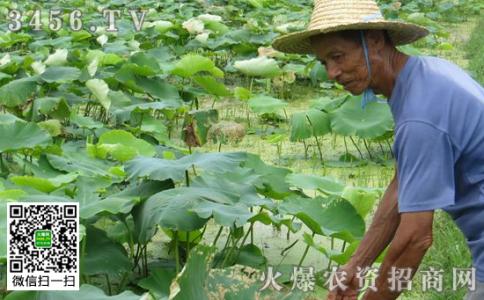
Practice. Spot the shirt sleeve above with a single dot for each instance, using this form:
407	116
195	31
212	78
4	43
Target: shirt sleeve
425	167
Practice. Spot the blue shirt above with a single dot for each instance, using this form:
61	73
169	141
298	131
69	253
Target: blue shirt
439	146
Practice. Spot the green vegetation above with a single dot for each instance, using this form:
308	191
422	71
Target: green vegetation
200	156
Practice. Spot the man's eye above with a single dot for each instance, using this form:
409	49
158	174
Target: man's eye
337	57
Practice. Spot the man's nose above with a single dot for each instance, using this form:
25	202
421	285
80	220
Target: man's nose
333	71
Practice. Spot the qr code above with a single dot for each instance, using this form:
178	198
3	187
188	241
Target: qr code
43	246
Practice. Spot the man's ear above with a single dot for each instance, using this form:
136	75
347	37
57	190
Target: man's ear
376	39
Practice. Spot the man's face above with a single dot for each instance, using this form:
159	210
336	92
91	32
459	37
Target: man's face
344	61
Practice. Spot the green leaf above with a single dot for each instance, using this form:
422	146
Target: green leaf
158	282
242	93
103	255
16	92
60	74
162	169
192	64
156	87
212	86
350	119
362	199
75	159
45	185
3	229
330	217
312	182
21	135
110	206
261	67
100	90
263	104
53	127
123	146
309	124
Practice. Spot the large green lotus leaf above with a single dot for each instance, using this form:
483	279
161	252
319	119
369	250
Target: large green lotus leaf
313	182
157	88
21	135
261	66
162	169
54	106
352	120
158	282
330	217
60	74
362	199
170	209
273	179
46	185
86	292
53	127
335	255
85	122
192	64
146	106
263	104
102	255
212	86
74	159
155	128
111	205
327	104
123	146
7	118
100	89
308	124
16	92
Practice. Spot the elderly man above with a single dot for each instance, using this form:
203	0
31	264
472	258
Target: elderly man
439	136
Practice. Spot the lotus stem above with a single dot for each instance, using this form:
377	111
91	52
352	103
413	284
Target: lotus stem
305	251
367	149
187	178
346	146
288	229
217	236
108	283
356	146
317	140
305	150
177	254
188	244
381	148
289	247
244	239
390	147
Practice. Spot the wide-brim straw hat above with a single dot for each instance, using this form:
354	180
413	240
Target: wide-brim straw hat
337	15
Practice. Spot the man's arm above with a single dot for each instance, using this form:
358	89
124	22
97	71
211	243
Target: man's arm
411	242
380	233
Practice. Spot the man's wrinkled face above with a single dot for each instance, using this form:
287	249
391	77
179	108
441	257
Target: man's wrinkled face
344	61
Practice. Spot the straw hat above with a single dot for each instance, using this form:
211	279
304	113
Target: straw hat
336	15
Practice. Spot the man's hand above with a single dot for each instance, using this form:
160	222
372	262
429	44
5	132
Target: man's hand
350	281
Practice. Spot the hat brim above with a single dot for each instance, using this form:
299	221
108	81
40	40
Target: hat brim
400	33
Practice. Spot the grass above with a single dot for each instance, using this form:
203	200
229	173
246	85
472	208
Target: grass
474	51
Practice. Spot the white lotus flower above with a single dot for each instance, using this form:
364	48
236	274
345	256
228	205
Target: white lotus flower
194	26
102	39
38	67
58	58
202	37
209	17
